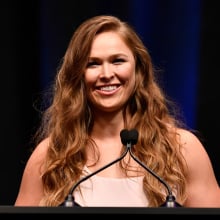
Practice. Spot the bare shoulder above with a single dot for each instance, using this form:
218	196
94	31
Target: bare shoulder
31	188
191	143
41	149
195	154
37	157
194	151
201	178
187	136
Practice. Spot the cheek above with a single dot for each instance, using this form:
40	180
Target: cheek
126	73
90	78
130	78
132	81
129	75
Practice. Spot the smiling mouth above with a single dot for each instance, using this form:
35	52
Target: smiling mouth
108	88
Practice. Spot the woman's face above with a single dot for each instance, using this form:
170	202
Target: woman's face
110	72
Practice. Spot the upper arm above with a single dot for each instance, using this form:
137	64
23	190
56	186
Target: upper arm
31	188
202	186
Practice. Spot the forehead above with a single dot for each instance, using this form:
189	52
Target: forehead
109	41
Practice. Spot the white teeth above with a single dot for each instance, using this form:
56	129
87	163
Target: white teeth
108	88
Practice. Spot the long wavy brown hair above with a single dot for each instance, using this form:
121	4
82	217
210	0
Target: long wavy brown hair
68	120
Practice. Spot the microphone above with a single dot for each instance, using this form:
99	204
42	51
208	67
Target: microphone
70	201
129	138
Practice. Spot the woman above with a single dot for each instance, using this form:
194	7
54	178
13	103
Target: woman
107	83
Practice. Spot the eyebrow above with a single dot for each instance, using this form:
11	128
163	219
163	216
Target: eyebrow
111	56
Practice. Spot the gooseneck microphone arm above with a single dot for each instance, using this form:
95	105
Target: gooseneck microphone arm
129	138
170	200
150	171
69	201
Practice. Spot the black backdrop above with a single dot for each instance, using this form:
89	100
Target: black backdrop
183	37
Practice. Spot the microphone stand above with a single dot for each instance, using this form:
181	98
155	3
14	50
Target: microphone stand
69	201
128	138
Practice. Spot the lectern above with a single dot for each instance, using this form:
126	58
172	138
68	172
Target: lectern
120	211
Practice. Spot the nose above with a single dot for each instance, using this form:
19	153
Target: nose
107	71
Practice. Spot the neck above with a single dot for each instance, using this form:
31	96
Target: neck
107	124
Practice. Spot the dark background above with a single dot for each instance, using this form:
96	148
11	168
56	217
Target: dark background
182	37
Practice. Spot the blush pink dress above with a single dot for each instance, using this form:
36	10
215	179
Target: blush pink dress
100	191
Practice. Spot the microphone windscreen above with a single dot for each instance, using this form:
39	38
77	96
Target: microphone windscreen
124	134
133	136
129	136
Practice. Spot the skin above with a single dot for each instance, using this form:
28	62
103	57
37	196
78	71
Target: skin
110	80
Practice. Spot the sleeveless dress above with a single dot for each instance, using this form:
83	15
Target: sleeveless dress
100	191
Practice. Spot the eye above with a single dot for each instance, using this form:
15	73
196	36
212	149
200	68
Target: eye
118	61
92	64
